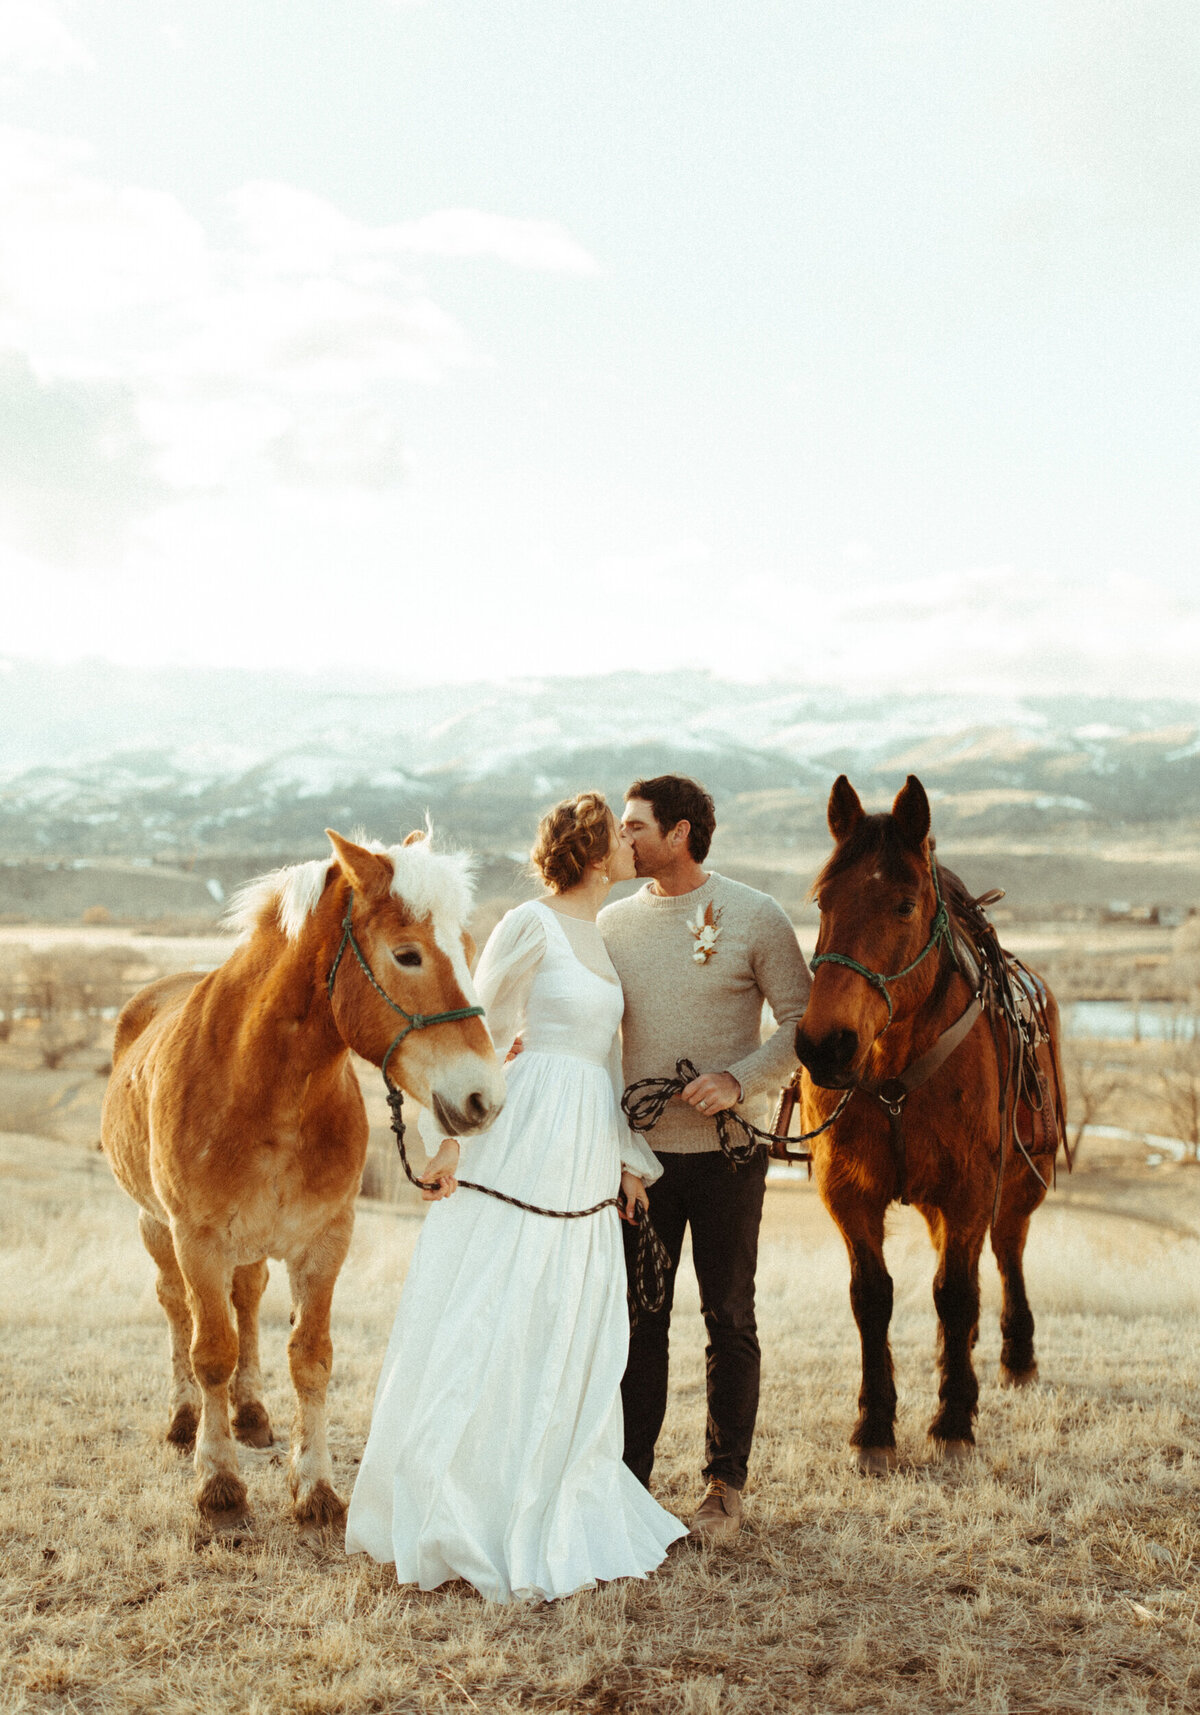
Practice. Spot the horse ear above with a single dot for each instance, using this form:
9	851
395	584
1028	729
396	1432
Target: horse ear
910	812
367	872
845	809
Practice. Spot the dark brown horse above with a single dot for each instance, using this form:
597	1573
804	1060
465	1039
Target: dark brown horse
948	1049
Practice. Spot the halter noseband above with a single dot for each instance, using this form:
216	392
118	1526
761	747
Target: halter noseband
939	932
416	1020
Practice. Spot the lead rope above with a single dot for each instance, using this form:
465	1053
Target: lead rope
647	1291
644	1104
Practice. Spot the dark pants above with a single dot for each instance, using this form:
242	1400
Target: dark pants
724	1208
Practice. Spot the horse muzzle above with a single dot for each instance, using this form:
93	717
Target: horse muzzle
829	1062
471	1113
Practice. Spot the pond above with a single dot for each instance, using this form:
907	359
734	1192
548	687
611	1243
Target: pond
1123	1021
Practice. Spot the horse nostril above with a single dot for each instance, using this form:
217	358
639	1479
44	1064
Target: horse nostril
840	1046
478	1107
829	1058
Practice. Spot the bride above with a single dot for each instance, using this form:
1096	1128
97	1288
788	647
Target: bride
495	1446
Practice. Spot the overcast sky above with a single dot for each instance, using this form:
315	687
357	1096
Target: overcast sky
852	339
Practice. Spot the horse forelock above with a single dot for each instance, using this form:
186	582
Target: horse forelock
439	886
875	840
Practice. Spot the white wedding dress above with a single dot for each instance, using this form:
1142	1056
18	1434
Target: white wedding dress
494	1452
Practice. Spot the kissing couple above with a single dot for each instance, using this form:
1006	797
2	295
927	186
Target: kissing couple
515	1421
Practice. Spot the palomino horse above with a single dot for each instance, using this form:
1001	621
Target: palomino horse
947	1051
234	1118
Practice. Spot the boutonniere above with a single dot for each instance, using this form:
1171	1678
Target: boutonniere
704	931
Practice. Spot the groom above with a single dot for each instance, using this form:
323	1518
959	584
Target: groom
697	956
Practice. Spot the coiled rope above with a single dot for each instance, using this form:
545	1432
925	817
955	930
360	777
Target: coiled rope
644	1104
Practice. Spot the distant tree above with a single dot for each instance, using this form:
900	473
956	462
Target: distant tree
1180	1084
71	991
1093	1079
10	998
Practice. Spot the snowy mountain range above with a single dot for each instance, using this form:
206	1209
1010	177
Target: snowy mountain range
96	759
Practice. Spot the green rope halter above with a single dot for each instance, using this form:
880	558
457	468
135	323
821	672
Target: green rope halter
416	1020
940	931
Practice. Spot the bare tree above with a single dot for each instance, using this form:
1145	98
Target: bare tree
1093	1079
1180	1085
71	991
10	999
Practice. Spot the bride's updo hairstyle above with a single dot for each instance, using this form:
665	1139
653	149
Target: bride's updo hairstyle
577	832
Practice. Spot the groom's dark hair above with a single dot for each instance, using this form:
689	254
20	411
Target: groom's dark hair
674	798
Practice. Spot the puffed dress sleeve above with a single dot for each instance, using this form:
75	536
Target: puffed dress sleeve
636	1154
503	979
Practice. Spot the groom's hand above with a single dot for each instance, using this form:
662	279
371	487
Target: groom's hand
712	1092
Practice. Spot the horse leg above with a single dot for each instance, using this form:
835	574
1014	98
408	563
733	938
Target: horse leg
874	1435
251	1424
1018	1365
172	1295
310	1358
956	1298
220	1492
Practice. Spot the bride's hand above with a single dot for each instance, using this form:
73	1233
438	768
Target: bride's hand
438	1178
636	1200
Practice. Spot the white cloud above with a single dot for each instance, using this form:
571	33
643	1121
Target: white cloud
659	569
34	38
466	232
997	628
240	349
77	252
293	228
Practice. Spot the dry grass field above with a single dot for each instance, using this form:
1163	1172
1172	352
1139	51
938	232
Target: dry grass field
1058	1571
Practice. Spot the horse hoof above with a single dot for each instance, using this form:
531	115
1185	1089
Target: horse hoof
183	1427
875	1461
252	1426
1018	1378
953	1452
321	1507
222	1499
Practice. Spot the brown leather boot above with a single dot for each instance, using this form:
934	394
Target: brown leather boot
718	1518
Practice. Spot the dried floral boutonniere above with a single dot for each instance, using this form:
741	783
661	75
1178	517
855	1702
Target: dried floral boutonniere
704	932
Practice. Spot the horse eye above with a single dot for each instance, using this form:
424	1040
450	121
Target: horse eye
409	957
906	908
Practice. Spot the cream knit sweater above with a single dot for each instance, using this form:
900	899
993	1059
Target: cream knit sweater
709	1013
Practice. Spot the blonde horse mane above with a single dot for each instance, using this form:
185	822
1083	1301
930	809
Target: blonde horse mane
437	885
